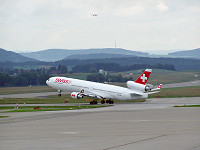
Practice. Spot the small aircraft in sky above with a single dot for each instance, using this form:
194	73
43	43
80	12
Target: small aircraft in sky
94	15
79	88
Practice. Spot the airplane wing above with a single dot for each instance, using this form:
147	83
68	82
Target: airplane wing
153	92
136	93
91	93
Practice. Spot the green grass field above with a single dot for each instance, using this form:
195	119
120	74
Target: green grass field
165	76
165	93
3	116
54	100
31	89
187	106
178	92
47	108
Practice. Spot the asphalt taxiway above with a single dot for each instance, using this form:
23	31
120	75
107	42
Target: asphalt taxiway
154	125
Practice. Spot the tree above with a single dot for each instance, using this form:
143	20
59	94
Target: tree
31	77
93	70
5	80
21	81
98	77
42	79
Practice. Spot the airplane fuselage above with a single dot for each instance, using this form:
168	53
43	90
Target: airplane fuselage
103	90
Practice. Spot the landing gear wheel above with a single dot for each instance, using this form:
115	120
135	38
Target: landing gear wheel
59	93
103	102
94	102
109	101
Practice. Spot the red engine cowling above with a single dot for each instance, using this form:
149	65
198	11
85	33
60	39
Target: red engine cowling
138	87
76	95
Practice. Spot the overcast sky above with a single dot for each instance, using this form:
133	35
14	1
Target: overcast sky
141	25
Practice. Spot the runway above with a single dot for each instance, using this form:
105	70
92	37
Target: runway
154	125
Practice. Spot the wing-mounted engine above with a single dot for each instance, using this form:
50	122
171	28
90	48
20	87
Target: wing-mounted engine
76	95
138	87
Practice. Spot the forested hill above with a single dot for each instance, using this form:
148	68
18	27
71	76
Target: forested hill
96	56
134	62
179	63
189	53
59	54
8	56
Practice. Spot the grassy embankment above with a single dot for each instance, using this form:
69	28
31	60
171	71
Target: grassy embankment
46	108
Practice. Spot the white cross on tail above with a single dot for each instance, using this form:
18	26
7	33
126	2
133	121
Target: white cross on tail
143	78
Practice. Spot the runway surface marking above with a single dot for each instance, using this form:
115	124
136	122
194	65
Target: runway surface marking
143	140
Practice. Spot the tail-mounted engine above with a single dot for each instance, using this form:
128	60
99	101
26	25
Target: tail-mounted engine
76	95
138	87
148	87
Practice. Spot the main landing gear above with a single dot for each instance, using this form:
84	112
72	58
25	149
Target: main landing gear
103	101
109	101
94	102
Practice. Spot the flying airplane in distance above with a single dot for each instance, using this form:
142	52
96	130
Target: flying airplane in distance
79	88
94	15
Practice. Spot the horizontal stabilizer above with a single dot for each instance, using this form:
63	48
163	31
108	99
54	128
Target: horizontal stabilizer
153	92
158	88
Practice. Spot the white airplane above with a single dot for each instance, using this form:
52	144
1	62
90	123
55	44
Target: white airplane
80	88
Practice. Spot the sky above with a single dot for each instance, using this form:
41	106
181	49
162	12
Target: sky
156	26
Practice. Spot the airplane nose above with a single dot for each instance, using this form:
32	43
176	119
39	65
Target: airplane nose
47	82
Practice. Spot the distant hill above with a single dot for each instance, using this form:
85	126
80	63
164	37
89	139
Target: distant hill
137	62
187	53
8	56
59	54
96	56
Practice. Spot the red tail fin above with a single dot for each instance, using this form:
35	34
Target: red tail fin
143	78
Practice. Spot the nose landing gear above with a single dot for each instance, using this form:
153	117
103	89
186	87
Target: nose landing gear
59	93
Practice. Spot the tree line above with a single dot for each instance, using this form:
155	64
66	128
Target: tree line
178	63
20	77
24	79
98	77
93	68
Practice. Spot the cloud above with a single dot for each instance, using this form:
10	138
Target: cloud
162	7
135	24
